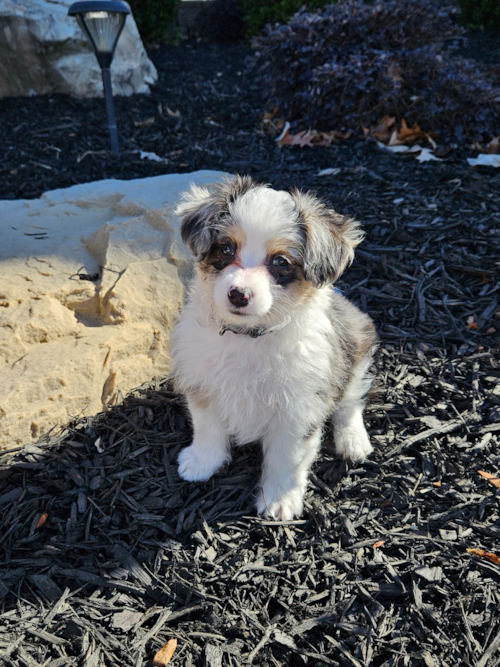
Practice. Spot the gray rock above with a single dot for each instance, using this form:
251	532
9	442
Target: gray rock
44	51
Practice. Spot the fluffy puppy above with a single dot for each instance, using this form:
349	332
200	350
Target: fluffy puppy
265	348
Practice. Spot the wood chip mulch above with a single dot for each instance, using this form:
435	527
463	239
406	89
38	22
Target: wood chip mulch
106	555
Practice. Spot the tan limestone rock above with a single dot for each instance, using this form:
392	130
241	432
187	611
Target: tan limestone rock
71	346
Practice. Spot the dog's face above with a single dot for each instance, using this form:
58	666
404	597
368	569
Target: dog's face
261	252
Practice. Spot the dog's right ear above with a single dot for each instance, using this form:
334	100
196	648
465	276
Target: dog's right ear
198	212
202	211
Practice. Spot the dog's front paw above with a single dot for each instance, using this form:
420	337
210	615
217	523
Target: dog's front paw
352	443
282	507
198	463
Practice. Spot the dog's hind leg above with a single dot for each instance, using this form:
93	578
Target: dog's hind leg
210	448
351	439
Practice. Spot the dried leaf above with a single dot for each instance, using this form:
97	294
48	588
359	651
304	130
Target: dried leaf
485	554
144	123
272	121
151	156
331	171
493	479
378	544
408	135
492	148
422	154
42	520
165	654
484	160
425	155
381	131
310	137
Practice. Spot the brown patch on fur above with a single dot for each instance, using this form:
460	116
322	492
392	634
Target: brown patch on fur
200	399
368	340
301	290
281	246
311	431
358	335
214	261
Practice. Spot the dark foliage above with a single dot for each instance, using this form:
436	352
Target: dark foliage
351	64
260	12
221	21
481	13
155	18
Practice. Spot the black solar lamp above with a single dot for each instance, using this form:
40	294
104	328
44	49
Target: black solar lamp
103	21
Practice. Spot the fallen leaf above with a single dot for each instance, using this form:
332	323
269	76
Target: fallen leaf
425	155
408	135
378	544
437	484
485	554
309	137
272	122
398	148
422	154
144	123
151	156
329	172
165	654
493	479
492	147
484	160
381	131
42	520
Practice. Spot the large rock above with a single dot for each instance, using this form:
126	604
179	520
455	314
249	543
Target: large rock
91	282
43	51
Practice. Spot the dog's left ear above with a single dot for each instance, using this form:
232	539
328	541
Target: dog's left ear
330	239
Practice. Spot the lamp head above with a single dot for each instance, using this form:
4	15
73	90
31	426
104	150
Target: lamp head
102	21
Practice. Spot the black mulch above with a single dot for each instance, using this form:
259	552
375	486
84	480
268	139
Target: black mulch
105	553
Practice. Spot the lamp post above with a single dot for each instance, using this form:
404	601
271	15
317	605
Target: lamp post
103	21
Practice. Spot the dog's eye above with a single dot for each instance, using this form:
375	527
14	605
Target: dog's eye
280	261
227	249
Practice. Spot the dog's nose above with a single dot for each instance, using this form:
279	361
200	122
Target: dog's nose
239	296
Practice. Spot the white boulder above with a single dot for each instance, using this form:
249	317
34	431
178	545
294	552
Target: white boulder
44	51
91	281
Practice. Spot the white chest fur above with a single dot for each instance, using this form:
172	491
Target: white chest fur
251	380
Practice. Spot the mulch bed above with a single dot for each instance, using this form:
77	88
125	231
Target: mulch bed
105	553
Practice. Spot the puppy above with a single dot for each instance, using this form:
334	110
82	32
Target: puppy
265	348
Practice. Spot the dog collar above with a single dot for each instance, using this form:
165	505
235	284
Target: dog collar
253	333
256	332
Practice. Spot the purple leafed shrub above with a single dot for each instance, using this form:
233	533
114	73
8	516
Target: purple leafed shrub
351	64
